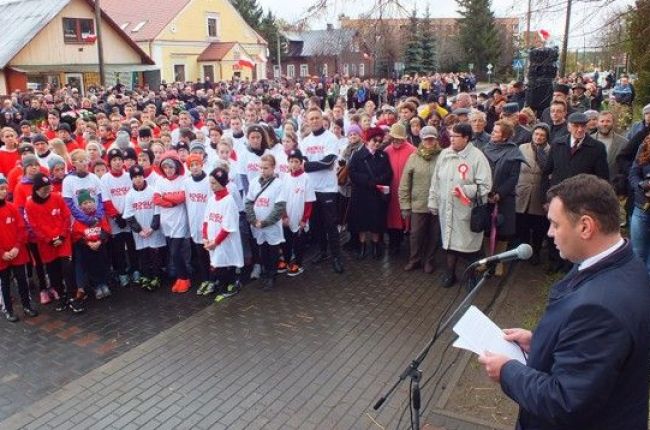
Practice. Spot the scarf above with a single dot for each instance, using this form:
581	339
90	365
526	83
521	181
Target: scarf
428	153
540	154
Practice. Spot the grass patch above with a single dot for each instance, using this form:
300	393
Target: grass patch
534	312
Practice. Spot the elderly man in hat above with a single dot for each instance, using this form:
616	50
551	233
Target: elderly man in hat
577	153
579	100
521	134
398	151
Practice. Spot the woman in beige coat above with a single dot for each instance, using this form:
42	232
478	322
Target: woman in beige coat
462	172
532	224
413	196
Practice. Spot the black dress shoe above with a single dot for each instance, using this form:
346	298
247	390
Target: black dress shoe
363	251
377	250
11	317
30	312
322	256
448	280
337	265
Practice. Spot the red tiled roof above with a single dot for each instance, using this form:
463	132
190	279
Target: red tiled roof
216	51
156	14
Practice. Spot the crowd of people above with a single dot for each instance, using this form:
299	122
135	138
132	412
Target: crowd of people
207	184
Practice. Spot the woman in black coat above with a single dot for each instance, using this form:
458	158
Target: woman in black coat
370	175
505	160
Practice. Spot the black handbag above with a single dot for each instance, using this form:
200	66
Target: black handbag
479	220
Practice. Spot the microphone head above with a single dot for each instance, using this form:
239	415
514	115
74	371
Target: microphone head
524	251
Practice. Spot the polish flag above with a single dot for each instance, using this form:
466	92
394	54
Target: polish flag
544	34
246	61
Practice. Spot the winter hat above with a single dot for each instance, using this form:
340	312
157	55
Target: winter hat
511	108
122	140
168	162
54	160
591	113
40	180
221	175
136	170
114	153
428	132
646	109
144	132
64	126
353	128
39	137
182	145
544	127
29	160
84	196
374	132
397	131
25	147
194	158
3	180
295	153
130	154
197	145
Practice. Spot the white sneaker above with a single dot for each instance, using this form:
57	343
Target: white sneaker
256	272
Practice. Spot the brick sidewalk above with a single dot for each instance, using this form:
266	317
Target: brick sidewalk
315	353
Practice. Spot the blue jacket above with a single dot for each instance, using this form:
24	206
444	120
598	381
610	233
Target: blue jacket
589	364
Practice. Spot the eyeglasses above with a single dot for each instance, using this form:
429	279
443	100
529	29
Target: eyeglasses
455	135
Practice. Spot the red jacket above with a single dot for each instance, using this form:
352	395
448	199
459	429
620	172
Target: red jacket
8	160
50	220
12	235
81	231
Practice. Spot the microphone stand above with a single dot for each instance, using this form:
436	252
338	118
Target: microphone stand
413	370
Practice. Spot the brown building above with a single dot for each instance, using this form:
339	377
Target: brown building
386	38
325	53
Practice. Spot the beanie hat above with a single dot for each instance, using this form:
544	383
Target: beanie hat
144	132
122	140
54	160
646	109
29	160
3	180
194	158
136	170
544	127
64	126
39	137
83	196
221	176
353	128
295	153
130	154
197	145
114	153
40	180
168	162
181	145
25	147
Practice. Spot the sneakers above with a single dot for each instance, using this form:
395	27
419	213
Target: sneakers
62	305
256	272
282	266
53	294
182	286
151	284
45	297
99	293
30	312
76	306
205	288
295	269
106	290
136	278
124	280
9	316
231	290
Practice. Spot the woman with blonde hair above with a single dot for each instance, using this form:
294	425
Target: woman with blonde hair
59	148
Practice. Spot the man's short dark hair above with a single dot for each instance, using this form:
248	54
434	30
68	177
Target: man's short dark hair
463	129
585	194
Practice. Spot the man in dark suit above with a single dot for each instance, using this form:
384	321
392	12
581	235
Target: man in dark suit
588	364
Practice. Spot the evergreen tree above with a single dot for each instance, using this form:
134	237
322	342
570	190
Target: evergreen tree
478	34
265	25
638	29
413	52
427	44
250	11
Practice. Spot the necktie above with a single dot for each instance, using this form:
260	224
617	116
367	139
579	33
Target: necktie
574	147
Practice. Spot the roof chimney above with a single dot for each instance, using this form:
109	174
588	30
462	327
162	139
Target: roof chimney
330	26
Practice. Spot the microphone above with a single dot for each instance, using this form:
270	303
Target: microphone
522	252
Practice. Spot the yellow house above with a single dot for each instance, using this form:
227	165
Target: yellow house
193	39
55	42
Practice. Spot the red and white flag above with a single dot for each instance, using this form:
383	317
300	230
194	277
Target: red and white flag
246	61
544	34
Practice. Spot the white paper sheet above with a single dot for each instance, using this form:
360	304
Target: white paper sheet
478	333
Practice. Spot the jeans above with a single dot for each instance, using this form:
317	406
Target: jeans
179	257
640	235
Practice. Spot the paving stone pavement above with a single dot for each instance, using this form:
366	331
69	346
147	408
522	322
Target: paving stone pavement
315	353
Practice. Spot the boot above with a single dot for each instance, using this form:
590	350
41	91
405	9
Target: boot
363	251
377	250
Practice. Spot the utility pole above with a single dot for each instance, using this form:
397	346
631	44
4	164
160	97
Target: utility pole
527	47
279	62
100	49
565	41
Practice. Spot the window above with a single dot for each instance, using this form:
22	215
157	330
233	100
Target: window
276	71
179	72
212	22
304	70
291	71
79	30
324	71
346	69
362	69
208	72
354	69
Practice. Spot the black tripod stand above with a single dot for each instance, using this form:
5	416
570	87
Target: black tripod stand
413	370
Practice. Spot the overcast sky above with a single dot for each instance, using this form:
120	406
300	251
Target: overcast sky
587	18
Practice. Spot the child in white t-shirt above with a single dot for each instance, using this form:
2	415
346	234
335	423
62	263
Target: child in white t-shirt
300	197
221	235
265	207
